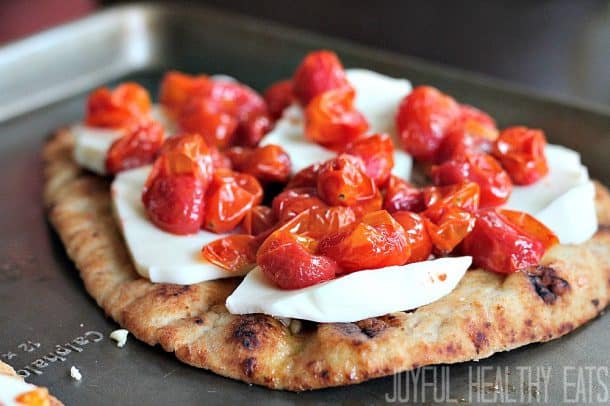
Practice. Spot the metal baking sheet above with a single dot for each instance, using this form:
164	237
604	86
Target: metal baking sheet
47	321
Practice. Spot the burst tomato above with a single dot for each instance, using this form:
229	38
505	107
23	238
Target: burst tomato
319	72
306	177
319	222
188	153
498	245
229	197
137	147
520	150
291	202
466	136
177	87
401	195
234	253
449	228
258	220
417	235
375	242
267	164
332	120
289	261
278	96
377	153
117	108
252	129
423	119
342	181
494	183
530	226
464	195
208	118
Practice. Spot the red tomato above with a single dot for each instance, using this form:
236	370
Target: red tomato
267	164
233	253
417	235
219	159
306	177
318	222
520	150
208	118
483	169
376	241
288	261
423	119
449	228
464	195
177	87
118	108
258	220
470	113
342	181
530	226
377	153
319	72
175	202
332	121
363	207
465	138
401	195
189	153
291	202
136	148
252	129
278	96
497	245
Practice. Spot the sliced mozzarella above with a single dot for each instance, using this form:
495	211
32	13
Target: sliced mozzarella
377	97
348	298
91	144
11	387
157	255
563	200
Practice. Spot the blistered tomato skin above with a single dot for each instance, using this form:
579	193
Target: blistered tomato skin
136	148
291	202
320	222
466	138
464	195
251	130
208	118
233	253
288	261
498	246
417	235
319	72
258	220
401	195
342	181
306	177
377	153
331	119
530	226
376	241
188	154
177	87
267	164
423	118
483	169
117	108
278	96
520	150
175	203
229	197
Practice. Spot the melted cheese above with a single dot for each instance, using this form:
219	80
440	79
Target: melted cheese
564	200
377	97
157	255
353	297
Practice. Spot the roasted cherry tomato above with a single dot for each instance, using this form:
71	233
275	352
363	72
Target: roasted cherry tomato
138	147
289	261
366	206
449	228
175	202
319	222
331	119
252	129
520	150
210	119
258	220
417	235
483	169
291	202
464	195
177	87
401	195
472	114
306	177
219	159
375	242
499	246
278	96
229	197
465	137
530	226
319	72
377	153
423	119
234	253
342	181
267	164
189	153
118	108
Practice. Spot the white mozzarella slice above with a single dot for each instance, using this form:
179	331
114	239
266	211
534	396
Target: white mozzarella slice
11	387
157	255
348	298
563	200
377	97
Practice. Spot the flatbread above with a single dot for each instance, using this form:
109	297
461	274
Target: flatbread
7	370
486	313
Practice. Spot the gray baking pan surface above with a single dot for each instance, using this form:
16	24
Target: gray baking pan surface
48	323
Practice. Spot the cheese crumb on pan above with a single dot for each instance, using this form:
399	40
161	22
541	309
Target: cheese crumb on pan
75	373
120	336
